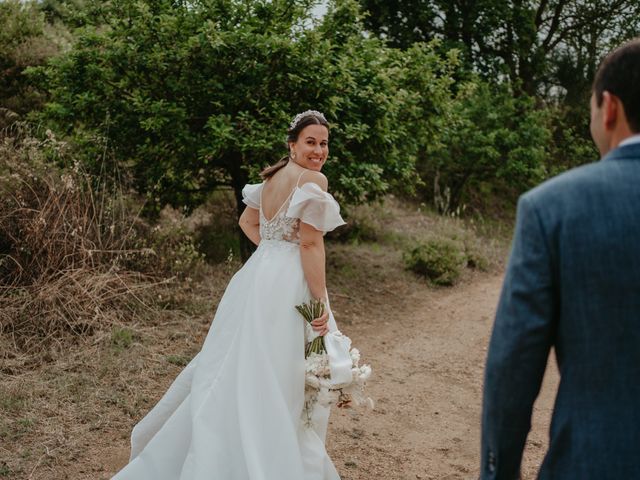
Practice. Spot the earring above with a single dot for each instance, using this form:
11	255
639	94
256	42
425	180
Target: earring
293	155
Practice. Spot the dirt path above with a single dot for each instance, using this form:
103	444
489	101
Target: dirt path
428	363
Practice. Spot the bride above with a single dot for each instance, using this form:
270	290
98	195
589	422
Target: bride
234	413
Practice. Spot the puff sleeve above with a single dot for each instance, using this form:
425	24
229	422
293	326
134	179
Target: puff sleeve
251	195
316	207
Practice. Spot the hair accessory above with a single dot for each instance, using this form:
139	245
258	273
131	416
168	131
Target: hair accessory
307	113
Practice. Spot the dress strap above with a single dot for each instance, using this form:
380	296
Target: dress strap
299	177
293	190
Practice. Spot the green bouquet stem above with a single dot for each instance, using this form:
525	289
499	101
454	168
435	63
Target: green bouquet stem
310	311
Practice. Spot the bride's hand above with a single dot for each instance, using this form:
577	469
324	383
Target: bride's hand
321	324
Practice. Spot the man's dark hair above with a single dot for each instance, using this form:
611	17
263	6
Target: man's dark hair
619	74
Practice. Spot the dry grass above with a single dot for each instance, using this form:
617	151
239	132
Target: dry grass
401	224
53	416
366	271
63	244
75	257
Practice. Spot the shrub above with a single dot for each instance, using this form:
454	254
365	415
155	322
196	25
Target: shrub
178	360
193	96
363	225
474	259
487	136
170	243
74	256
26	40
438	260
60	243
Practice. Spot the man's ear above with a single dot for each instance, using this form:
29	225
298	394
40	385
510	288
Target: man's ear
610	110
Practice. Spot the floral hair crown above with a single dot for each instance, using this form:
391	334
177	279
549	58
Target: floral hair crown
306	113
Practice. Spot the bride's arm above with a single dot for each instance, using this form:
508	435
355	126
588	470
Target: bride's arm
313	259
312	246
313	265
250	224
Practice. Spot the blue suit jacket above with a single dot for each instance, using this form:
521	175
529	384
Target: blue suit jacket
572	283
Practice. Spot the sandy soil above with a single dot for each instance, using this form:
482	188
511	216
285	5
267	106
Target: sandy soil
428	359
429	364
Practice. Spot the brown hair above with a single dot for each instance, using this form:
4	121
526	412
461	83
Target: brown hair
292	137
619	74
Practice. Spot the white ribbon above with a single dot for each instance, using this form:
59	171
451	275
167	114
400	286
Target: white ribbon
338	346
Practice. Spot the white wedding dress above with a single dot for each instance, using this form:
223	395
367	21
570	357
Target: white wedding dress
234	413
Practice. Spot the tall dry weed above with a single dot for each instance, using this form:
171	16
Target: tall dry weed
70	246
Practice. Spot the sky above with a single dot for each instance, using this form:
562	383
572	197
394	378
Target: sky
320	9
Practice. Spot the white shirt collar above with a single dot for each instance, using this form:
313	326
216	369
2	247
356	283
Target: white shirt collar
630	140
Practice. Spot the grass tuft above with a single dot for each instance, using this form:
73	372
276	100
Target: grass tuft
121	338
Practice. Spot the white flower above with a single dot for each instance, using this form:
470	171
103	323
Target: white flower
365	372
355	356
319	390
326	397
312	381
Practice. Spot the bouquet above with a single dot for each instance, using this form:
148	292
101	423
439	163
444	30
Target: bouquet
310	311
319	389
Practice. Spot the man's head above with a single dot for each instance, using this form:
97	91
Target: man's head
615	99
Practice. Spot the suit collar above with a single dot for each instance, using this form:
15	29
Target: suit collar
626	152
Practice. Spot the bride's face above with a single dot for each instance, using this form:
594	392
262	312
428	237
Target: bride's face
312	147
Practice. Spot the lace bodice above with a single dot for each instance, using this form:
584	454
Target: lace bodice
280	227
307	203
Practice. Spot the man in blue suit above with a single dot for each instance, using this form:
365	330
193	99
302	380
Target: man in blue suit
573	283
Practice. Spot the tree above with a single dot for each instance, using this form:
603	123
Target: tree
522	39
194	95
491	137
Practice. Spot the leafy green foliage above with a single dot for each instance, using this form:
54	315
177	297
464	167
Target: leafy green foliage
491	136
547	50
571	144
537	43
438	260
198	95
72	13
25	40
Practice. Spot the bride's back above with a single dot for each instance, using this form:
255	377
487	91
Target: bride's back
278	188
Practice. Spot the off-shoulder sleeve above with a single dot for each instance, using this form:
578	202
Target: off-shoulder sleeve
251	194
316	207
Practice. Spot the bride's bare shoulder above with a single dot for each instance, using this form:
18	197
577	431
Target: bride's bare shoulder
316	177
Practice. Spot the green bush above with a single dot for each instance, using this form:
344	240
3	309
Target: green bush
489	136
26	40
475	260
440	261
164	248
